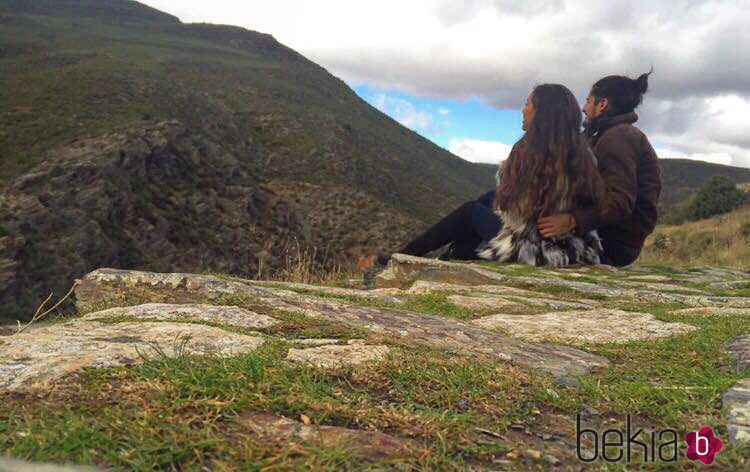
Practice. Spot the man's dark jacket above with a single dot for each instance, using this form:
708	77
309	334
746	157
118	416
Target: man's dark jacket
630	169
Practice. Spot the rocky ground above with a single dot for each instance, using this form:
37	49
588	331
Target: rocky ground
443	366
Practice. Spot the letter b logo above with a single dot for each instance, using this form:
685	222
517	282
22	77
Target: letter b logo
702	445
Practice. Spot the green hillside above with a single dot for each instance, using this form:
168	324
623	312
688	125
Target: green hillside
290	159
683	177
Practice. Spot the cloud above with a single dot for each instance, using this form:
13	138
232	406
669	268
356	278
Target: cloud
716	129
490	152
497	50
444	111
404	112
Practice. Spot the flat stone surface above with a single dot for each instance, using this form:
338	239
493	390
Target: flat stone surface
112	286
709	301
230	315
507	293
650	278
731	284
739	351
714	311
581	327
38	358
736	401
481	303
422	286
555	303
373	445
404	270
14	465
390	295
660	286
316	341
331	356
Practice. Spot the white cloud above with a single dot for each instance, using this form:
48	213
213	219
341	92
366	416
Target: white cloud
444	111
714	129
404	112
474	150
497	50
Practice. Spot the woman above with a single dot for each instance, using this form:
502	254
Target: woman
550	170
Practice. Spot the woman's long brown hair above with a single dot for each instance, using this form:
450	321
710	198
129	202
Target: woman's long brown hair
551	147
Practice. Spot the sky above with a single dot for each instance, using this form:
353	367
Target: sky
459	71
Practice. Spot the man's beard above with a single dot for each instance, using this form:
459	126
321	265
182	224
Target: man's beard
589	126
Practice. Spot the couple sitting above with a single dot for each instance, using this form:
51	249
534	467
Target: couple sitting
562	197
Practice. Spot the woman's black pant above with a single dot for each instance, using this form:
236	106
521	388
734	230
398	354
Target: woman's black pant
464	228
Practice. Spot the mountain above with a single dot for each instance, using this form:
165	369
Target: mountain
131	140
681	178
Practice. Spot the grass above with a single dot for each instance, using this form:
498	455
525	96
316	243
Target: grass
177	413
693	360
181	413
718	241
293	324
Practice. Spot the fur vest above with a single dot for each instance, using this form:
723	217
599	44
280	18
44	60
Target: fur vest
519	241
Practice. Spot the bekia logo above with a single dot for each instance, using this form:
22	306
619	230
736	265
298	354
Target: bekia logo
702	445
639	444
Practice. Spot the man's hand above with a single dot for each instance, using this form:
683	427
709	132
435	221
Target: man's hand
556	225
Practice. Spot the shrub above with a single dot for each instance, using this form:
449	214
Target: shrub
662	242
718	195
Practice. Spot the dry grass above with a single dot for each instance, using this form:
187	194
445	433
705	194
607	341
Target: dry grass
305	265
723	240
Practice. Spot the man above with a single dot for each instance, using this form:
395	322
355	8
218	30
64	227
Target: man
629	166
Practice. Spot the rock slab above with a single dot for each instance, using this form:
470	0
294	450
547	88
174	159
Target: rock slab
736	401
112	286
582	327
38	358
333	356
230	315
13	465
739	351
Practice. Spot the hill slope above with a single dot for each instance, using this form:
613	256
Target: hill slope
317	164
683	177
722	240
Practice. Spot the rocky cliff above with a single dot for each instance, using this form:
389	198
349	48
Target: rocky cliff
158	198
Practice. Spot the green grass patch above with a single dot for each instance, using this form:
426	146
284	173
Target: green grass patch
434	303
179	413
676	381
